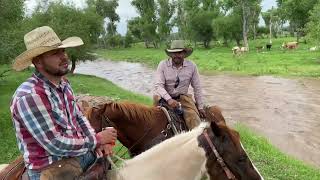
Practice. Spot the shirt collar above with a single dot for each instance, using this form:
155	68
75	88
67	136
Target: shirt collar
41	77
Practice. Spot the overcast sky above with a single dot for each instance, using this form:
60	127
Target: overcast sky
126	11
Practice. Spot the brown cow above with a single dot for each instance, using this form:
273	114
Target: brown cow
290	45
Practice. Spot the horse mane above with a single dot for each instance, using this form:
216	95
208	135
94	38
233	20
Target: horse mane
135	112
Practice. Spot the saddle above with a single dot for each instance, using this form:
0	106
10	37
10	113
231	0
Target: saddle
175	118
176	124
16	170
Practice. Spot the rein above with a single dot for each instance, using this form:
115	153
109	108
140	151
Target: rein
106	119
229	174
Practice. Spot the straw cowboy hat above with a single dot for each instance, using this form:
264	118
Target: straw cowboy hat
39	41
178	46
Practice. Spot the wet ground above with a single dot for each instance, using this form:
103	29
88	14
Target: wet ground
285	111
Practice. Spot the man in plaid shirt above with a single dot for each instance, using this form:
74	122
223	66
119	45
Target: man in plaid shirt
49	125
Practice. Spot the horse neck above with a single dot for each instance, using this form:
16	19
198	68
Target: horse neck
136	122
181	156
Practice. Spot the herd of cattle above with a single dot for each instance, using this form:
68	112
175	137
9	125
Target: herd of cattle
286	45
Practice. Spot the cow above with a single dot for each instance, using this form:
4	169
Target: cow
315	48
290	45
268	46
259	48
238	51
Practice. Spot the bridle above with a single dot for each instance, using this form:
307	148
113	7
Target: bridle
106	120
223	165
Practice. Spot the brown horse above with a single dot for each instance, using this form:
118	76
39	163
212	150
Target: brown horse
139	127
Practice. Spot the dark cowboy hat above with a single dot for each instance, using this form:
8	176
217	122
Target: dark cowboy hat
178	46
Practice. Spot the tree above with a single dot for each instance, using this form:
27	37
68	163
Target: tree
11	31
134	27
201	26
313	26
231	22
246	9
165	12
256	10
107	9
180	20
297	12
147	21
272	21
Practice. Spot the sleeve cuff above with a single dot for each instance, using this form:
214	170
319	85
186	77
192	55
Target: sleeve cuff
167	97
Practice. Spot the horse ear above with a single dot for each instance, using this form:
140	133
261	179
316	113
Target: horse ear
215	128
214	114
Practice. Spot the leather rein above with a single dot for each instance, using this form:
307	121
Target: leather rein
220	160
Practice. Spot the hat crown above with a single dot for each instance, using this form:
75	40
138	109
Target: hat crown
40	37
177	44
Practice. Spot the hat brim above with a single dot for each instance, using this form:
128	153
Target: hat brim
25	59
188	51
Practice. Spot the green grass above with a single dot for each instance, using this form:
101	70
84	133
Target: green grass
278	62
272	163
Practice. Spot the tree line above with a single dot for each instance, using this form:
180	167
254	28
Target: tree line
159	21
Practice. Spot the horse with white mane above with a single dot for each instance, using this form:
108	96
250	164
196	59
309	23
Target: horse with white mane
212	149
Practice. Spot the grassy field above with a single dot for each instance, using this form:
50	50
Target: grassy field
278	62
272	163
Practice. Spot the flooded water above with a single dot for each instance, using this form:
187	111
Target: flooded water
285	111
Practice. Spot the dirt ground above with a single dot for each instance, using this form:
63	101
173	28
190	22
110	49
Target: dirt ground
285	111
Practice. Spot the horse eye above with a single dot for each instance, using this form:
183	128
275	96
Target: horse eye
242	158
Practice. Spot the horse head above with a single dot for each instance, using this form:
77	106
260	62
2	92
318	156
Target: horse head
136	124
226	157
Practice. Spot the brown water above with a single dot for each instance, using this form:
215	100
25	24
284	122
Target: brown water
285	111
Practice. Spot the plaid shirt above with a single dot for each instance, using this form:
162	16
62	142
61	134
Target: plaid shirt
48	123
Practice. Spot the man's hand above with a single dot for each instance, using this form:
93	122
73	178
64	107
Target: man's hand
104	150
202	113
173	103
107	136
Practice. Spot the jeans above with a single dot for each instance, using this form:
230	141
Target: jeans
34	174
85	161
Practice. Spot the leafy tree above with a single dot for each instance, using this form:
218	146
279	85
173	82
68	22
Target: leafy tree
147	21
313	26
273	22
107	9
231	22
297	12
180	20
246	9
11	31
134	28
128	39
165	12
254	21
201	27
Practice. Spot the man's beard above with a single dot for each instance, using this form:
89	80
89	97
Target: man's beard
177	61
57	73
